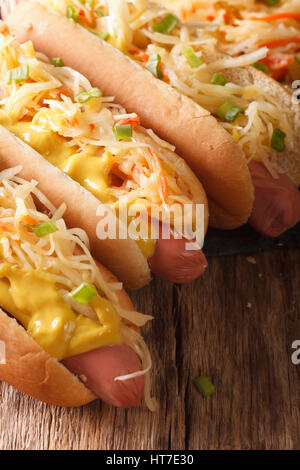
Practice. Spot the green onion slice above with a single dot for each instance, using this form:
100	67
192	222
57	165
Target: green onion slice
41	230
100	12
277	140
229	111
84	293
153	65
72	13
103	35
192	59
19	74
166	25
123	132
86	96
204	386
218	79
264	68
89	2
57	62
271	3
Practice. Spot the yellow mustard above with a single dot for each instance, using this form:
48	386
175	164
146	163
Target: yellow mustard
32	298
89	170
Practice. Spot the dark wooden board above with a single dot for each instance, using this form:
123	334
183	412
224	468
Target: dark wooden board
237	325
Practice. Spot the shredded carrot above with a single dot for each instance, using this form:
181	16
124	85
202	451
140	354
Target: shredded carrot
29	220
160	172
29	80
7	228
84	19
280	42
5	31
132	121
64	92
142	55
277	16
210	18
166	77
277	64
72	122
184	14
92	127
227	17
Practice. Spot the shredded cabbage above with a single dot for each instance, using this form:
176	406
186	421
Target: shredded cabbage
250	130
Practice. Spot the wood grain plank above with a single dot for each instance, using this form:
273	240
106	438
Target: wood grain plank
206	327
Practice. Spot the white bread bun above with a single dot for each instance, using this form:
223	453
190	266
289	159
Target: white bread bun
208	149
32	371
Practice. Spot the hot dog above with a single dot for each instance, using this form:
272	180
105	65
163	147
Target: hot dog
103	148
262	118
277	202
69	329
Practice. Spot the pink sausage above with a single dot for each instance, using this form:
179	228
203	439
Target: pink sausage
276	204
173	262
98	369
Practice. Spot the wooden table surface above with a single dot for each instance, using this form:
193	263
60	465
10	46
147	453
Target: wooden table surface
237	325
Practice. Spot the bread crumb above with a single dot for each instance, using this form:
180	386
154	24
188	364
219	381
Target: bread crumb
83	378
251	260
249	305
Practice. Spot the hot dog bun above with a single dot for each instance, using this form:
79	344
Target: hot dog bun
32	371
206	146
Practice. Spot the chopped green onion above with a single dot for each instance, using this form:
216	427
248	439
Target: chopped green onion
271	3
218	79
100	12
297	59
277	140
19	74
41	230
166	25
105	36
153	65
229	111
123	132
264	68
72	13
57	62
86	96
84	293
192	59
89	2
204	386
